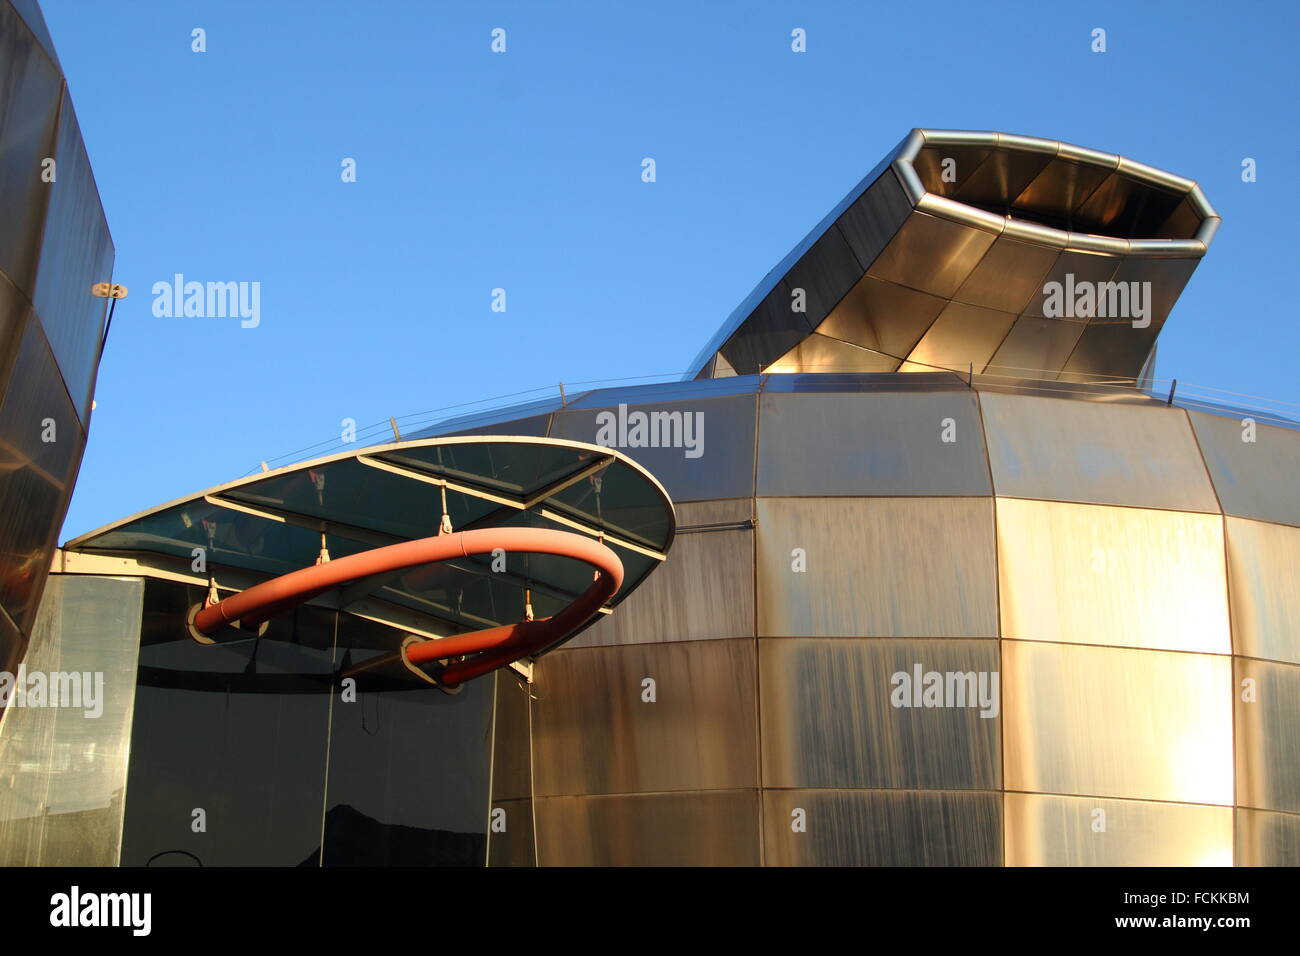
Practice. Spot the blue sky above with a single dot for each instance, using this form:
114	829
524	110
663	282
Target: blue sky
522	171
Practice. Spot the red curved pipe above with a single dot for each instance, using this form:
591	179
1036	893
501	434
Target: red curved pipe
495	646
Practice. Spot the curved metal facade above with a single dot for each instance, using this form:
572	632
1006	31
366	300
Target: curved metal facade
949	588
1019	613
54	247
1124	567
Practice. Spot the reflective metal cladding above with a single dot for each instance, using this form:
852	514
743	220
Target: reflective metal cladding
1015	610
947	252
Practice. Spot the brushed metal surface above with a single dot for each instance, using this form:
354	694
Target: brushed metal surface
871	444
1267	839
825	273
959	162
882	828
1047	830
1268	726
716	828
1254	479
1099	453
1003	176
883	316
1062	187
1035	347
593	731
916	567
1009	275
513	845
1127	577
1166	277
829	718
931	255
1264	588
1083	266
820	353
874	218
1109	351
703	590
723	469
962	336
1116	722
511	749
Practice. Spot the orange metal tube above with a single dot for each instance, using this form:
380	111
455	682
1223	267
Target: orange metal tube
496	646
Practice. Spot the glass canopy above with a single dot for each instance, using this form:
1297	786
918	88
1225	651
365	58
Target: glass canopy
280	521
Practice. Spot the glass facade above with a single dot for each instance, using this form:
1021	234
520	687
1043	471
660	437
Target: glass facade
249	754
65	767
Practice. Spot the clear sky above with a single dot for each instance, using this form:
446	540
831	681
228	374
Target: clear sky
522	171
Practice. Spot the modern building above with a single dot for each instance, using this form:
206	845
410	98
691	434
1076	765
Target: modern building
919	564
56	264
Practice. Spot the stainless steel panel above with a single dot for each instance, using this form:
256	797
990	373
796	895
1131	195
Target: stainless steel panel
1267	839
1161	283
874	218
930	165
1059	189
724	467
825	273
916	567
1094	452
1008	276
1268	726
1128	577
1183	222
1002	177
594	731
931	254
1108	210
770	331
35	475
818	353
513	845
882	828
14	314
1035	348
1108	352
1254	479
535	425
835	714
76	253
65	767
871	444
703	590
511	738
1264	589
718	828
1083	266
1115	722
30	87
1045	830
962	335
883	316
